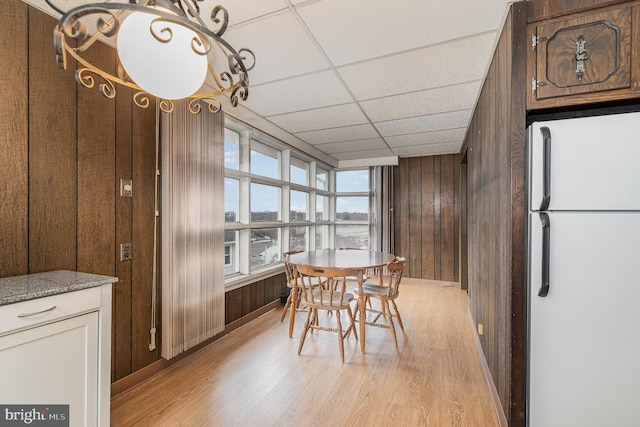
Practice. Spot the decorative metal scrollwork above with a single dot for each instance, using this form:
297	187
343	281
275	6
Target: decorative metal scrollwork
185	13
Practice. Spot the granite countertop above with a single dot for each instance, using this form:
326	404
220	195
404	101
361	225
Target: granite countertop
38	285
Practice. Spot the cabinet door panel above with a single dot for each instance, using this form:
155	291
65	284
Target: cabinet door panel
54	364
587	52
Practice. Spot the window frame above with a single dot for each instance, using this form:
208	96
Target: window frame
369	194
253	140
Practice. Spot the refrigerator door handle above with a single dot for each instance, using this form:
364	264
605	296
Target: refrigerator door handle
546	243
546	178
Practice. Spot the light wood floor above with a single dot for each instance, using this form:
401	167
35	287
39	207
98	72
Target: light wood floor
254	377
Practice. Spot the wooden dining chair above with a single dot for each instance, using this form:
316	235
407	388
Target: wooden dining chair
386	293
333	297
290	275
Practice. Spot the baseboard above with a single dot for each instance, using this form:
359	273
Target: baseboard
502	418
144	374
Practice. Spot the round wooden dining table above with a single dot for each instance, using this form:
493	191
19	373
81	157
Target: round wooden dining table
357	260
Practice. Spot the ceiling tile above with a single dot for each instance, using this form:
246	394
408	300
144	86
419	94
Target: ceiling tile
305	92
348	133
385	28
432	101
428	150
424	123
437	137
360	145
281	46
244	10
442	65
322	118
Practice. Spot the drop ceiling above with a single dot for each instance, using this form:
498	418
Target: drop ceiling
362	81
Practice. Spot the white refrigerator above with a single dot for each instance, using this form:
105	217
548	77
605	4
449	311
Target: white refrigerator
584	272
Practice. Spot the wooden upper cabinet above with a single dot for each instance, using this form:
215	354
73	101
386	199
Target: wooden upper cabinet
582	58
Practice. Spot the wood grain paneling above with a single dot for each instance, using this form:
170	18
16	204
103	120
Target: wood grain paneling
426	216
52	154
428	256
143	175
496	209
545	9
464	240
13	140
121	331
96	168
242	301
61	157
518	292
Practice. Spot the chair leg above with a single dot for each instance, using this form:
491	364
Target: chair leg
287	307
353	323
389	317
307	325
340	337
395	307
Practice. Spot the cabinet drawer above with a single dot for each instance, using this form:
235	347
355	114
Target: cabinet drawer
31	313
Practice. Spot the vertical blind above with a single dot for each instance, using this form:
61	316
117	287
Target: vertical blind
192	228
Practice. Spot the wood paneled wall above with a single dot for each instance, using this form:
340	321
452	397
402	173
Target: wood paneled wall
242	301
14	143
63	150
426	216
496	209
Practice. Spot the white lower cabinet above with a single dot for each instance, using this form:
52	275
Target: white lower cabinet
51	360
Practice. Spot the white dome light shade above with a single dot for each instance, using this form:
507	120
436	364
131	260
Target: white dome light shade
166	70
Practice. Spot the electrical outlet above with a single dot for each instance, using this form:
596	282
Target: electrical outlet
126	252
480	329
126	188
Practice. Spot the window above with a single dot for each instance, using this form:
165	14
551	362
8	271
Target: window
299	172
352	236
231	196
227	256
299	206
322	237
352	181
298	238
276	200
230	252
231	149
352	208
265	203
322	208
265	160
322	179
353	201
265	247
